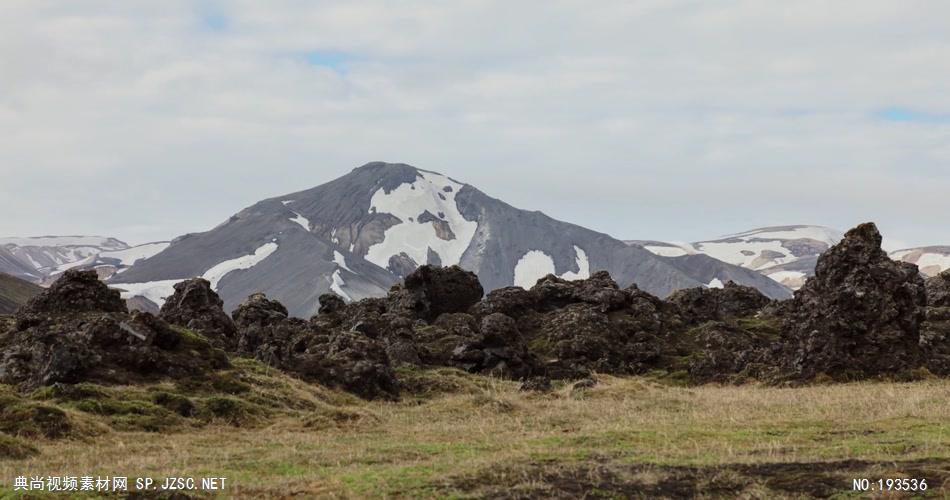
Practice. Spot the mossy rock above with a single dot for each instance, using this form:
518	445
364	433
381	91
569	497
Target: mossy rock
433	382
69	392
175	403
15	448
34	420
232	411
110	407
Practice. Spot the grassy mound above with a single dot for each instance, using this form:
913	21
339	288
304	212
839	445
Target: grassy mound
15	448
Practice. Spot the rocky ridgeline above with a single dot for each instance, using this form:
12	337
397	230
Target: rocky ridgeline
861	316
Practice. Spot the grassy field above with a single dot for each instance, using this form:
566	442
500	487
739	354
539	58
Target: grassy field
456	435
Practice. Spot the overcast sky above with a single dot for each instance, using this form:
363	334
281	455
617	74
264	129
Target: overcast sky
676	120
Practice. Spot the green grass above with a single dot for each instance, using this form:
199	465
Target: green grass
457	435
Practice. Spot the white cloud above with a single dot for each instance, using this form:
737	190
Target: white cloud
688	118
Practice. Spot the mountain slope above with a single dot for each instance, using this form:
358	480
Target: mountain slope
360	233
12	265
15	292
787	254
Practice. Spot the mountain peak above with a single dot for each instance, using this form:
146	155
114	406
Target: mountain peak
358	234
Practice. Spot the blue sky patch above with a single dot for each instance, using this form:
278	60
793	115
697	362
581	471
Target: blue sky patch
328	58
897	114
212	17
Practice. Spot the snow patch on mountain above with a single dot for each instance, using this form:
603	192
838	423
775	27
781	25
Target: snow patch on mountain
155	291
666	251
131	255
748	254
791	279
535	264
303	221
340	260
158	291
532	266
216	273
583	266
432	193
337	286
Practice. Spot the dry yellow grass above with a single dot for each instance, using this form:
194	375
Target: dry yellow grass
487	438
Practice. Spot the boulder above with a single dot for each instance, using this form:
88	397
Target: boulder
431	290
196	306
600	290
859	316
330	303
258	310
697	305
938	290
75	292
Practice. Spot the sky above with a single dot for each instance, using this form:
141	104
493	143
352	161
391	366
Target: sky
668	120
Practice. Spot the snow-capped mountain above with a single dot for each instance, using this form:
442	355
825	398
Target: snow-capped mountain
787	254
930	260
359	234
41	259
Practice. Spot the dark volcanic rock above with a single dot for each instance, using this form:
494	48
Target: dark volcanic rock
258	310
728	353
935	331
330	303
859	316
196	306
437	343
497	349
697	305
513	301
75	291
338	358
938	290
552	292
102	347
430	291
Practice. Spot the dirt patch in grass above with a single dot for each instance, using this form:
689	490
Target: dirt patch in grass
768	480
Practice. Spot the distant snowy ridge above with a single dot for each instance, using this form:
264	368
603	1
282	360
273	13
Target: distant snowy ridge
48	256
64	241
788	254
784	253
931	260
